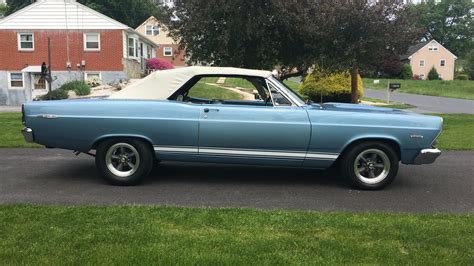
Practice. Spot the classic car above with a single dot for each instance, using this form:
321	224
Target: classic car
191	114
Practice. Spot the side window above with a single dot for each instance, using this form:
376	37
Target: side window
229	90
278	98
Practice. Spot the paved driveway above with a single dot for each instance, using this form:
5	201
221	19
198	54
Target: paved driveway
41	176
426	104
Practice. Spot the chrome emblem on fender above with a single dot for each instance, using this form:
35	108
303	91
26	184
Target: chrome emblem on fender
416	136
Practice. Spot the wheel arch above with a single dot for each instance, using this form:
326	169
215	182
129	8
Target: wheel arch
392	142
121	136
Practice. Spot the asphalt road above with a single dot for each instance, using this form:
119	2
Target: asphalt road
424	103
41	176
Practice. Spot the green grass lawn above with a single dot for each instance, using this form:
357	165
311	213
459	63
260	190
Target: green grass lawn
239	82
463	89
202	90
457	132
10	132
128	235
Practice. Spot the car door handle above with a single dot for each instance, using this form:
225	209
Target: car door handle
206	110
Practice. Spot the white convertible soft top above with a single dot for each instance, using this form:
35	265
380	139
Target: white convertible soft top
160	85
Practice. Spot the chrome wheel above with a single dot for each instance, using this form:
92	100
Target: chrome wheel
372	166
122	159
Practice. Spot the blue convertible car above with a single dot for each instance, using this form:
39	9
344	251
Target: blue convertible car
192	114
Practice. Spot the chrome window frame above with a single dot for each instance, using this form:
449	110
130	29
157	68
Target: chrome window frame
284	92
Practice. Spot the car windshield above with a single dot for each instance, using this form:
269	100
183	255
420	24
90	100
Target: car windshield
290	91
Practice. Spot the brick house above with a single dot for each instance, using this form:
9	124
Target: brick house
84	44
169	49
423	56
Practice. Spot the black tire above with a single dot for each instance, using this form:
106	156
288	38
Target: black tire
112	152
384	165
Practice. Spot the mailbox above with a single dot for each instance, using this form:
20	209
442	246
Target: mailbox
394	86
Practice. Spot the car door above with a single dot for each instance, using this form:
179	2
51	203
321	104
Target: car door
276	135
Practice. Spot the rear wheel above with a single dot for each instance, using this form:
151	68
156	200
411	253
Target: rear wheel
370	165
124	162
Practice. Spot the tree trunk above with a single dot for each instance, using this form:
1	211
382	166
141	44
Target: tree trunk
354	91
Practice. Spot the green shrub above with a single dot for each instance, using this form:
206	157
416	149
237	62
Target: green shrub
324	86
462	77
433	74
54	95
407	72
78	86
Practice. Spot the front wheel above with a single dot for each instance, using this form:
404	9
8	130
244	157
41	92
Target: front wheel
124	162
370	165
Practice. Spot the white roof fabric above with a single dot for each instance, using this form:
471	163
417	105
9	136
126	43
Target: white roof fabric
160	85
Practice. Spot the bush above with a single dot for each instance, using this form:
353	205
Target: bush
407	72
55	95
462	77
158	64
323	86
391	67
94	82
78	86
433	74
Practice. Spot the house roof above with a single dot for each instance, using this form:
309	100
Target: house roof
160	85
415	48
63	15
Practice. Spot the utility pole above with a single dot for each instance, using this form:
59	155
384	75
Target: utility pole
50	79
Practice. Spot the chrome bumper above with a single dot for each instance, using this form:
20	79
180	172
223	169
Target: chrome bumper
427	156
28	134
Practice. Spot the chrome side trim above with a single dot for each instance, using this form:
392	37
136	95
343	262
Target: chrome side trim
427	156
28	134
282	154
48	116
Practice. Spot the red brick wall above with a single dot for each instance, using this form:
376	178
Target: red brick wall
178	58
109	58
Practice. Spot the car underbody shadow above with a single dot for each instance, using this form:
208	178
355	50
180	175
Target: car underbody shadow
173	172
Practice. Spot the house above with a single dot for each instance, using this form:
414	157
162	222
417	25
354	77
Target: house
426	55
84	44
169	50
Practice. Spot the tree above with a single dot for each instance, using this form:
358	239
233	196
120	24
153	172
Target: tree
407	72
433	74
450	22
131	13
3	10
338	34
252	34
470	65
358	35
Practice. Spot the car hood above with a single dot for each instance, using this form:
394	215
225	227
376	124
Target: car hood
361	108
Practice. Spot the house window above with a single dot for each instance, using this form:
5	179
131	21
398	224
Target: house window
148	51
26	42
167	51
16	80
442	63
422	63
92	75
91	41
433	48
131	47
152	30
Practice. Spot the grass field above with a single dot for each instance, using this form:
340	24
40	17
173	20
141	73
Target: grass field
457	132
202	90
10	132
141	235
463	89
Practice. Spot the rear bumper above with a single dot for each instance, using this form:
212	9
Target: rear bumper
28	134
427	156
